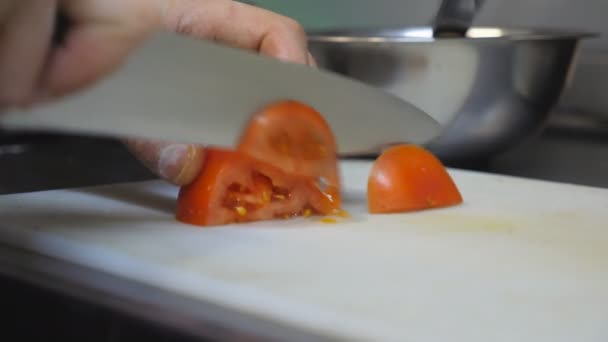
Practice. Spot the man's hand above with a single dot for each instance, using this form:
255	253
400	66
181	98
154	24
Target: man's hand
102	35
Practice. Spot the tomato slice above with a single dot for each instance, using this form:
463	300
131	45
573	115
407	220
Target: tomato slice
297	139
408	177
234	187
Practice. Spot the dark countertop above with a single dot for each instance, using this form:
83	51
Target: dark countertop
31	313
41	162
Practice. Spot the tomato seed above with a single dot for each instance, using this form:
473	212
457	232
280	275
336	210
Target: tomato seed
265	196
241	211
278	196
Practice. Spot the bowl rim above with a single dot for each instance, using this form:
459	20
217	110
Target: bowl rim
422	34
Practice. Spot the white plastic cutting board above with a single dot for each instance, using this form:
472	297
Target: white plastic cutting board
520	260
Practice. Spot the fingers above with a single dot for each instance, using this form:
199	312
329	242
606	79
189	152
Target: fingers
104	34
106	31
24	42
230	23
80	61
177	163
240	25
6	8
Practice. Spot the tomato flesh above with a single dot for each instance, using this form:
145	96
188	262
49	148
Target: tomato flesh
295	138
408	177
234	187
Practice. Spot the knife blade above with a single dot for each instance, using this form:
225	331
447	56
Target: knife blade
189	90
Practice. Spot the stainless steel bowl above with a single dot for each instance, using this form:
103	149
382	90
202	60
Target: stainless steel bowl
490	89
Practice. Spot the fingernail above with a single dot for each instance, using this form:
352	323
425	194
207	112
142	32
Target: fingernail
311	60
179	163
171	160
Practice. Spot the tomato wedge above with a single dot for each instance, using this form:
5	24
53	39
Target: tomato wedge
235	187
408	177
297	139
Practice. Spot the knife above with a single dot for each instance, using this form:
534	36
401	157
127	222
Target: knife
178	88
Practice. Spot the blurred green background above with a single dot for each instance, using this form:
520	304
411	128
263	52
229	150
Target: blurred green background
321	14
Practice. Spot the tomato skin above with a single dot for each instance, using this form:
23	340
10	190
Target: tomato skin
296	138
407	178
195	203
234	187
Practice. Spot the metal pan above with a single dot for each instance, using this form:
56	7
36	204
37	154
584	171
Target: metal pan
490	89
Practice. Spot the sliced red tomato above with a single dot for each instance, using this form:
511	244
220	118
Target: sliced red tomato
297	139
408	177
235	187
